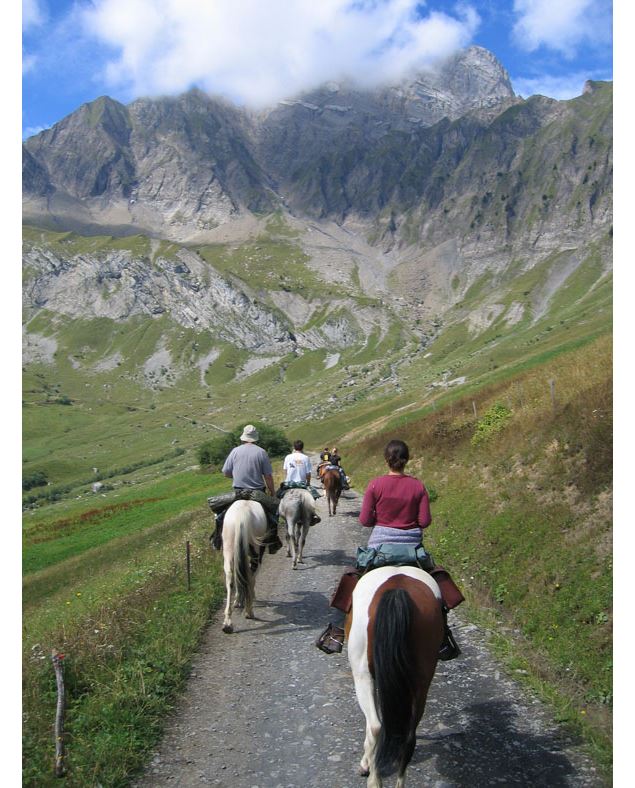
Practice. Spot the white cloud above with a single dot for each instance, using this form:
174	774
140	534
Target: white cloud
259	52
28	63
29	131
563	87
562	25
33	13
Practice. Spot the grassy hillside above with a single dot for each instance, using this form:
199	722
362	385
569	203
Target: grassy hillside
521	480
522	516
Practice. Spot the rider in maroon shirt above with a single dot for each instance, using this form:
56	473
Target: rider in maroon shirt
397	503
396	500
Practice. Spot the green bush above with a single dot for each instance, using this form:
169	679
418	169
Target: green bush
215	451
34	479
492	422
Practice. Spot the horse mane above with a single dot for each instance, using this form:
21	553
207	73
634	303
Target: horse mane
394	681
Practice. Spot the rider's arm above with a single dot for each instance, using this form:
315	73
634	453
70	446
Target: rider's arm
367	516
424	518
228	466
269	482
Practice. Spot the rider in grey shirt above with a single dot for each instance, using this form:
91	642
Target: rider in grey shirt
247	465
249	468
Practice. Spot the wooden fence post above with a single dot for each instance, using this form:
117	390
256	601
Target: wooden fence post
552	388
474	409
187	563
57	658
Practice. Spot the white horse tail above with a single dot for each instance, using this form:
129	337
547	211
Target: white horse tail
394	682
242	563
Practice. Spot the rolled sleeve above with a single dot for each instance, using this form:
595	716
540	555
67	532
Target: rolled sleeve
424	517
228	467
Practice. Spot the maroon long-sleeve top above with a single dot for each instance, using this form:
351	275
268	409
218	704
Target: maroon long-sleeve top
396	502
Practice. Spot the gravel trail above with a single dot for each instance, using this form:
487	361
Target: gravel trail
264	708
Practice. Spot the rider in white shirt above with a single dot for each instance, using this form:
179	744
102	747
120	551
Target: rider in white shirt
298	469
297	465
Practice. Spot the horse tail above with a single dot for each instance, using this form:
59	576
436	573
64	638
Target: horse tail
394	681
242	566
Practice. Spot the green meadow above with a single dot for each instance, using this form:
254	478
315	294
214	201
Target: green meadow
509	426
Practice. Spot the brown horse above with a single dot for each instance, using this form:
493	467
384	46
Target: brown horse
332	482
394	633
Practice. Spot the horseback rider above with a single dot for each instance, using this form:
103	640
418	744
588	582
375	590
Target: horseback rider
397	507
325	459
249	468
336	460
298	469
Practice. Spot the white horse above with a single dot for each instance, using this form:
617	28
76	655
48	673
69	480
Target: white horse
394	632
244	529
297	507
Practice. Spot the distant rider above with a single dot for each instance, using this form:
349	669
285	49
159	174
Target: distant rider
336	460
297	467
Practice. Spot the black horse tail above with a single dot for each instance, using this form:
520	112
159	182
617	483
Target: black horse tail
394	682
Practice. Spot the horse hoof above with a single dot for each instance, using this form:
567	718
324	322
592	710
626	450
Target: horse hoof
363	772
295	566
228	629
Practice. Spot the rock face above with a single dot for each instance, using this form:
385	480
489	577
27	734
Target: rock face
428	184
194	161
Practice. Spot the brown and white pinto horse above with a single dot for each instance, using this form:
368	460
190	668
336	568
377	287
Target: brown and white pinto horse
394	632
332	481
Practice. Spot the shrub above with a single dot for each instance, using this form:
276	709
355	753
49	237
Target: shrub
214	451
492	422
34	479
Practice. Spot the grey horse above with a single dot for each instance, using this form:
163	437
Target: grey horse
298	509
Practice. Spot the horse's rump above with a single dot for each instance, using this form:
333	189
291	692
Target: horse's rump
404	600
243	536
395	634
297	503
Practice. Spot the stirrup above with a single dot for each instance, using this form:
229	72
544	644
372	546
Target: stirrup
328	641
449	648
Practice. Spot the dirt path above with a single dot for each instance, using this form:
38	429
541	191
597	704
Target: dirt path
264	708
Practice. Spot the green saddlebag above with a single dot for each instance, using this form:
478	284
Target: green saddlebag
219	502
389	554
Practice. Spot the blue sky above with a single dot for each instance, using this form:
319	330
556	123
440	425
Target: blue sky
259	51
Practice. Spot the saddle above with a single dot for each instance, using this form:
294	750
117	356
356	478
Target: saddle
402	555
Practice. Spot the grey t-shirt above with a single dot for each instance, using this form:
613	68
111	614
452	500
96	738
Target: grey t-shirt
248	463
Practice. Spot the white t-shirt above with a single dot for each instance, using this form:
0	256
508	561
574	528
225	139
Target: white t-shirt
297	466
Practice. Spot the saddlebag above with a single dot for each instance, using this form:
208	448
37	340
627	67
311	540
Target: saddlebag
450	592
342	598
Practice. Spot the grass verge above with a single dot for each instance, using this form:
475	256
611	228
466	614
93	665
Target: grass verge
128	626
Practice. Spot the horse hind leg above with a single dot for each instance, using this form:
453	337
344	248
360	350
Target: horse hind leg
364	689
227	621
251	596
303	532
287	539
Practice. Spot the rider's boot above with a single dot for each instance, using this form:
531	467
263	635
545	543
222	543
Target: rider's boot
448	648
315	519
331	640
272	540
216	539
